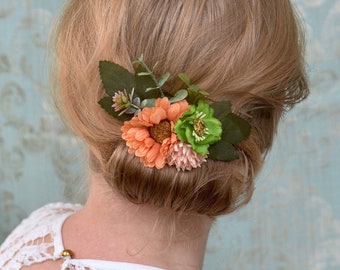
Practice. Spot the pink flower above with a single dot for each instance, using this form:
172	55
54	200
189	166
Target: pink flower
184	157
121	101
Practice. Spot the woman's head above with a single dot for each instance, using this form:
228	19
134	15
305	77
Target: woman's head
246	51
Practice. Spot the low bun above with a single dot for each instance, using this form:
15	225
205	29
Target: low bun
215	188
246	51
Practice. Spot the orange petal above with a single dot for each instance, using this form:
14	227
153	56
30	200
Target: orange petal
163	103
134	144
133	130
174	111
152	154
124	128
160	161
158	114
142	134
144	115
141	151
149	142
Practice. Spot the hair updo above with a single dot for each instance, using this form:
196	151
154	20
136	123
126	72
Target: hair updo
246	51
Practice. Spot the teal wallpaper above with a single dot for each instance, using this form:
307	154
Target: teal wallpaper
293	220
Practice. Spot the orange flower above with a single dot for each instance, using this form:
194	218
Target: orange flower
149	135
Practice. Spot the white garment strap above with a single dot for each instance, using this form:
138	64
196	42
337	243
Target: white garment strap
74	264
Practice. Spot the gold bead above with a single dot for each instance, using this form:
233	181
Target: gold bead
66	253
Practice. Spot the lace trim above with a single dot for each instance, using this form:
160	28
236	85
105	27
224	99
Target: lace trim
37	238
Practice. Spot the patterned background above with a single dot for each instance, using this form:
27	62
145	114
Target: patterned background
293	221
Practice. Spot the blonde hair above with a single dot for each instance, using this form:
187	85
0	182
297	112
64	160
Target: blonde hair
247	51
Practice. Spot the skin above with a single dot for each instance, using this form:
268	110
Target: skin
111	228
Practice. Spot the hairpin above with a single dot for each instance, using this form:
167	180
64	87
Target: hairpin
181	130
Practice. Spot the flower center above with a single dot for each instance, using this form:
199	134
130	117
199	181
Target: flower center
199	127
161	131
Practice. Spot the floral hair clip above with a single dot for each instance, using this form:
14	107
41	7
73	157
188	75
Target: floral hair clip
181	130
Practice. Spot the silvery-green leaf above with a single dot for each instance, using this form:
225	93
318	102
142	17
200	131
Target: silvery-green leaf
151	88
148	103
163	79
130	110
144	73
180	95
136	101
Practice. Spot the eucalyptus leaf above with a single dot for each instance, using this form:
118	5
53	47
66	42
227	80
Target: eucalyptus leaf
115	78
144	74
180	95
148	103
163	79
136	101
131	110
151	89
223	151
106	103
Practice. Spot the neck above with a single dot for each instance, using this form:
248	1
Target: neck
115	229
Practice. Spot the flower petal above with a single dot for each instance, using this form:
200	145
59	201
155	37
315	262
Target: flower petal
142	134
152	153
141	151
160	162
157	115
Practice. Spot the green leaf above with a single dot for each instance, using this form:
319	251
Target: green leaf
195	87
235	128
106	104
194	96
115	78
223	151
180	95
221	109
184	78
163	79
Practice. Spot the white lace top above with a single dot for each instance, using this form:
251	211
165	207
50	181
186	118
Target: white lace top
38	238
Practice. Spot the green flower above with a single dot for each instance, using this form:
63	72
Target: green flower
199	127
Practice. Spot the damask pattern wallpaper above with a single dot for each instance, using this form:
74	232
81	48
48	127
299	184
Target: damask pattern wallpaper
293	220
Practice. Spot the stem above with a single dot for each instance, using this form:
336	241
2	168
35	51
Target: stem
153	77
